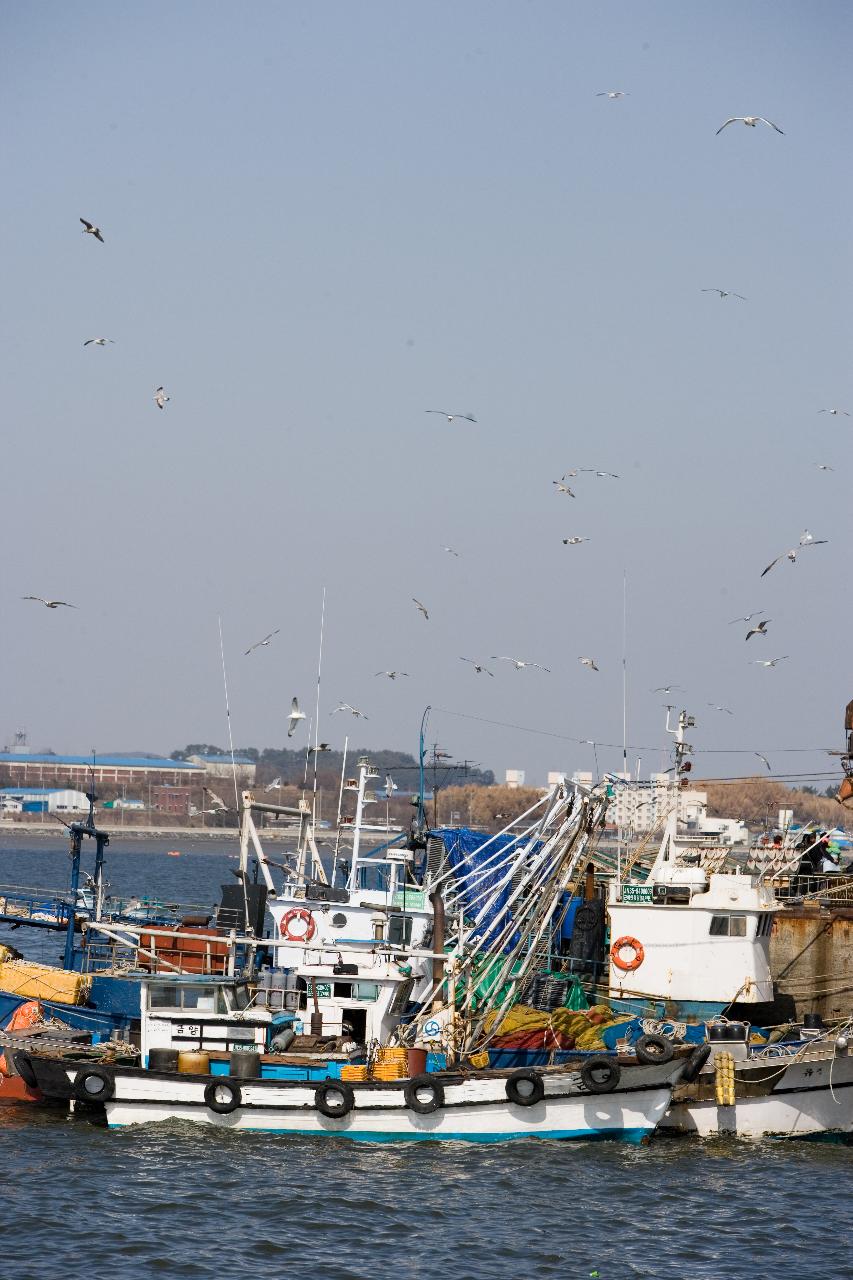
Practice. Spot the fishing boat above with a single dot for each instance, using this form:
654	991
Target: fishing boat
204	1058
798	1089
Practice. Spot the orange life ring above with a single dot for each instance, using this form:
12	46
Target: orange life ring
616	953
299	913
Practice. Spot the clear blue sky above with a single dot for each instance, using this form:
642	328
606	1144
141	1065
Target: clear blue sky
321	220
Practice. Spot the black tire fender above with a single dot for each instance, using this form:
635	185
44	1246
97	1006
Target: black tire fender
334	1098
653	1050
23	1066
415	1089
223	1106
600	1075
525	1087
94	1084
695	1063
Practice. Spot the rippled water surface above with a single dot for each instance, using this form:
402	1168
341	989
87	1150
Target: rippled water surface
174	1201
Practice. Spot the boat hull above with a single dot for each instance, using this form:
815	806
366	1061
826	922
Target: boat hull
805	1099
475	1107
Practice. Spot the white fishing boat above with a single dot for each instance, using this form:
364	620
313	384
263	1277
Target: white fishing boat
197	1023
792	1090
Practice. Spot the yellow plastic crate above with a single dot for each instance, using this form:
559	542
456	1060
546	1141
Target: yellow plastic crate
43	982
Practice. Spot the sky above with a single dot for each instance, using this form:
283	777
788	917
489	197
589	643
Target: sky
321	220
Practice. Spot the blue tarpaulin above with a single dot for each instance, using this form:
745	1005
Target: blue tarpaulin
467	854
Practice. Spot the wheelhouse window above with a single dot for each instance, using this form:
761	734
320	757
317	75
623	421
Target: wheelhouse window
200	998
728	927
400	930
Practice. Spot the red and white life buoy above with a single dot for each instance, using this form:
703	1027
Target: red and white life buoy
298	913
635	961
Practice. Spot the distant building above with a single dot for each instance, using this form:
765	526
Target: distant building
555	778
514	778
641	806
42	800
582	777
173	800
222	766
23	769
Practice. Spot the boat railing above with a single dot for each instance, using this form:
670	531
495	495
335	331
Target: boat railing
834	888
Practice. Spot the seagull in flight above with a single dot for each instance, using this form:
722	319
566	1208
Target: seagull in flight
89	229
610	475
768	662
613	94
392	675
451	417
421	607
823	466
747	617
98	342
794	552
274	785
668	688
321	746
160	398
751	121
50	604
562	488
761	629
258	643
835	412
345	706
451	552
588	662
716	706
725	293
764	760
390	786
478	667
518	663
573	542
295	716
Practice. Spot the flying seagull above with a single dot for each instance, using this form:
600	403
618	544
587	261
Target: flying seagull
98	342
794	552
478	667
518	663
274	785
295	716
613	93
747	617
763	759
219	805
450	551
716	706
160	398
421	607
761	629
392	675
51	604
259	643
835	412
592	471
768	662
667	688
573	542
562	488
321	746
390	786
89	229
751	121
345	706
724	293
823	466
451	417
588	662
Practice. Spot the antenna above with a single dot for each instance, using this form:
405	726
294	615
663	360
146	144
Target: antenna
317	708
228	718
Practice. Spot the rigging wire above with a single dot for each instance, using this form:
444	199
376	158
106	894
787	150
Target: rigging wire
228	718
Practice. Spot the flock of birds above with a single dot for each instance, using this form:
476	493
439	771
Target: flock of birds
562	487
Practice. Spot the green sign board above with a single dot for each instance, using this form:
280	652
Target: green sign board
636	893
324	990
411	900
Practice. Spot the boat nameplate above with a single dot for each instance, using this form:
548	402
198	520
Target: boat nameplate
638	893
